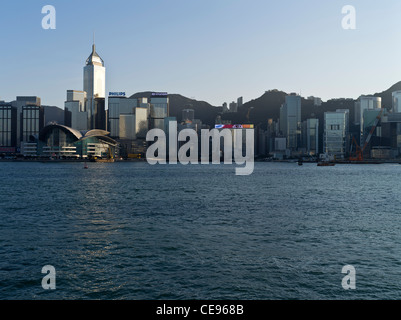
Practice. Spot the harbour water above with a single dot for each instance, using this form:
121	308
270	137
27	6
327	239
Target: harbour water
135	231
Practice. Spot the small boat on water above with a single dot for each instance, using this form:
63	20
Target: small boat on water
86	166
326	164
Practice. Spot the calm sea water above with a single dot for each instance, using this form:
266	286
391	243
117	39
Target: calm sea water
135	231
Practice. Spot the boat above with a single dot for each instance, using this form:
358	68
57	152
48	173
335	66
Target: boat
300	163
326	164
105	160
86	166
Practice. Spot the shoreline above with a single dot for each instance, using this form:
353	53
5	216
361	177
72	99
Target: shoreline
294	161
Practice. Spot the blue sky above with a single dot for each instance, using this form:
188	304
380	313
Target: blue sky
212	50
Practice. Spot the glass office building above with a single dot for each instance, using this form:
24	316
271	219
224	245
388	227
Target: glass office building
290	121
32	121
310	133
8	125
336	133
159	109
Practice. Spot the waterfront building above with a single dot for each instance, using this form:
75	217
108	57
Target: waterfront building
8	125
310	136
128	106
95	88
62	141
290	121
361	105
127	126
336	133
32	121
396	95
19	103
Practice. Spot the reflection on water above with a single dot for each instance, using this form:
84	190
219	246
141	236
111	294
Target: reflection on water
134	231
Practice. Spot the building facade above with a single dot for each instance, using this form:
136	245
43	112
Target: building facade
310	134
290	121
8	125
94	86
336	133
159	110
75	114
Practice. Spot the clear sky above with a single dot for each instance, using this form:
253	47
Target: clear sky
211	50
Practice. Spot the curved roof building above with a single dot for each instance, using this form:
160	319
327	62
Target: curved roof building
61	140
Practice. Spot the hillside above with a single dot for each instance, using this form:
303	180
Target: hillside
203	110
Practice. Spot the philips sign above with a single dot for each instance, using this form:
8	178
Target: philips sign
116	94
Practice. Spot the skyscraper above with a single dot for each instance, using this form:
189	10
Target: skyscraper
75	115
290	121
336	133
94	85
361	105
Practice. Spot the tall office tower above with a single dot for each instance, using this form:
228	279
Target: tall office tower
188	115
99	114
94	85
8	125
396	102
32	121
159	109
336	133
19	104
119	108
290	121
240	101
362	104
310	134
75	115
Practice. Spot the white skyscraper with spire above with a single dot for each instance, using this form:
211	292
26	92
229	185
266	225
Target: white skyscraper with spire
94	84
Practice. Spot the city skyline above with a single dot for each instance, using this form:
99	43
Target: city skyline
160	46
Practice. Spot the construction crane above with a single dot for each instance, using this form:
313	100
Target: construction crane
359	151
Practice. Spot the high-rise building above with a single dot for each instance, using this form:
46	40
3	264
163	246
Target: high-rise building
99	114
310	134
126	106
159	110
19	104
75	115
240	101
95	87
32	121
290	121
336	133
397	101
8	125
361	105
